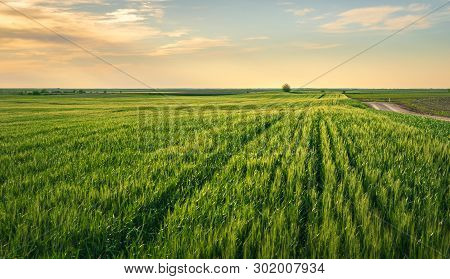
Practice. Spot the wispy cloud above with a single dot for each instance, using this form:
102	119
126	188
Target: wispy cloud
124	15
285	3
377	18
365	17
93	30
316	46
418	7
318	17
189	46
153	8
53	3
258	38
401	21
300	12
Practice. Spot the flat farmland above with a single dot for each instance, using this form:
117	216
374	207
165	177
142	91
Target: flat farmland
258	175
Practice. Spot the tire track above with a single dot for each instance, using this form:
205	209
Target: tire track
150	218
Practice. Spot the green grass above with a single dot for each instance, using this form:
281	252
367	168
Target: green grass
260	175
433	102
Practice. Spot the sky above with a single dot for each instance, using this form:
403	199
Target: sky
223	44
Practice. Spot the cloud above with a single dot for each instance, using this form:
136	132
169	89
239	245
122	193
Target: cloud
259	38
318	17
402	21
442	16
29	49
366	17
376	18
122	27
83	26
177	33
124	15
52	3
316	46
189	46
285	3
153	8
252	49
300	12
418	7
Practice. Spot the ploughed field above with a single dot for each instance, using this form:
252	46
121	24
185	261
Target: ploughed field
432	101
259	175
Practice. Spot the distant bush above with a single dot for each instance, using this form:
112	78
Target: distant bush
286	88
36	92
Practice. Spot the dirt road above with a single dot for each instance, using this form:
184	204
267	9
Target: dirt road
399	109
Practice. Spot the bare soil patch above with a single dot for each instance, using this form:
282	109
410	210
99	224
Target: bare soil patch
399	109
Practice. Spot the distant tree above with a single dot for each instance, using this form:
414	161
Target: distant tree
286	88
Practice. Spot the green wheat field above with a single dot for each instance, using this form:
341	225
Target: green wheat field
254	175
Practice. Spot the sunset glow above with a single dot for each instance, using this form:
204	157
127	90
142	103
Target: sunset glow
226	44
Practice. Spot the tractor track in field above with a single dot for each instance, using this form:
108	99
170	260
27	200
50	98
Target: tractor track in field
399	109
201	173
